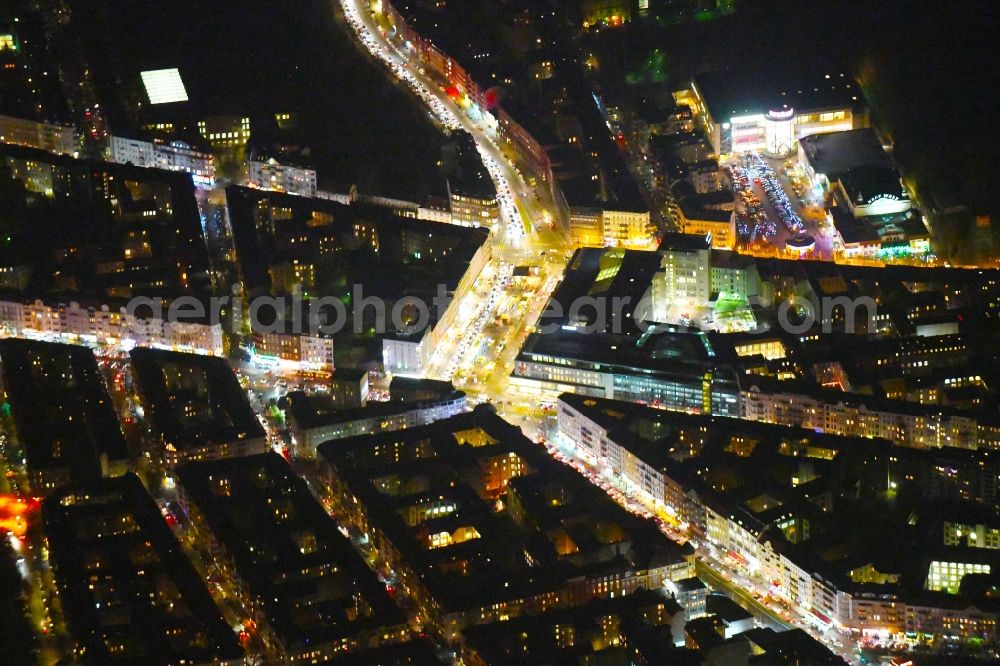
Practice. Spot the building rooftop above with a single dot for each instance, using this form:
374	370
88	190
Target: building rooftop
355	375
316	411
111	230
731	260
694	208
410	388
61	407
410	653
389	256
313	586
793	646
786	485
705	632
618	334
465	172
865	184
458	497
833	153
193	400
665	351
851	229
603	274
692	584
726	609
744	92
579	635
128	592
679	242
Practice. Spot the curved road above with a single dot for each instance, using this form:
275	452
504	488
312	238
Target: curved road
515	238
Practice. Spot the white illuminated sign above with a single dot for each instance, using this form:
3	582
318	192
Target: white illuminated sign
164	86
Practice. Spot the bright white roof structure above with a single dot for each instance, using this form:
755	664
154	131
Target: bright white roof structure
164	86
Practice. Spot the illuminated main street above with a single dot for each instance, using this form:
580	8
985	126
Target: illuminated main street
498	313
525	236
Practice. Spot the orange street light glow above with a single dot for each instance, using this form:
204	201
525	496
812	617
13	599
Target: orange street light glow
14	512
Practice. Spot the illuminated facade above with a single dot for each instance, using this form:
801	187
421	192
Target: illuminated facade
225	131
585	227
272	175
684	276
774	132
473	210
946	576
519	142
107	326
173	156
972	536
628	229
592	227
688	389
735	126
57	139
871	191
649	452
854	419
310	352
720	225
607	13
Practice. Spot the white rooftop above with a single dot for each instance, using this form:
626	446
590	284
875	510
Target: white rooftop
164	86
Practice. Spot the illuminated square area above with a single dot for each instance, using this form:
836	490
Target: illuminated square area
164	86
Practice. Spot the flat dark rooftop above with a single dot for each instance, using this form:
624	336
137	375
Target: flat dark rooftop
833	153
61	407
603	273
288	551
851	229
866	183
694	208
792	646
726	609
692	584
743	92
124	581
193	400
467	175
315	411
686	242
349	374
403	388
